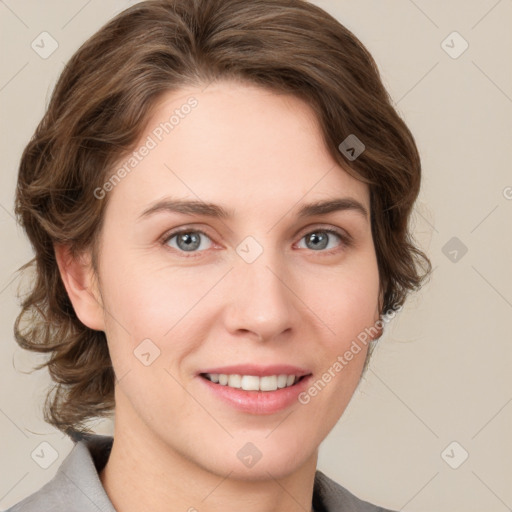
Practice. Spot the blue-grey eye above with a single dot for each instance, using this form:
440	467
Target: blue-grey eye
188	241
319	240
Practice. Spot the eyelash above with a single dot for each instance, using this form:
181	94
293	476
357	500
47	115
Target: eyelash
346	240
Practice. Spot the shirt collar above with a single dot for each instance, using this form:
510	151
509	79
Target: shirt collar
79	475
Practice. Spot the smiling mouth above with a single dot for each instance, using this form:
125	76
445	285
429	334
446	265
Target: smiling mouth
253	382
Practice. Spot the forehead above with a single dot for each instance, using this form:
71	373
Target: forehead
233	144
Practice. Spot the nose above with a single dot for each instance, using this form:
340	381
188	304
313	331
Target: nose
261	299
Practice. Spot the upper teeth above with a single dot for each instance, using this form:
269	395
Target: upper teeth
252	382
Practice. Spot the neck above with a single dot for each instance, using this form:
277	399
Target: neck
145	473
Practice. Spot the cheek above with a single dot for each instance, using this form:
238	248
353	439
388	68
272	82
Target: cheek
156	302
346	301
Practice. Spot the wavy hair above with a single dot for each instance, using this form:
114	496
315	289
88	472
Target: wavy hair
101	105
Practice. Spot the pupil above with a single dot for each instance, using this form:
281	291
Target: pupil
191	241
321	238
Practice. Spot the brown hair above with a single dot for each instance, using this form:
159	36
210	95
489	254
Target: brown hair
101	105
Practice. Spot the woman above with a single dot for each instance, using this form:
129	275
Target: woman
218	199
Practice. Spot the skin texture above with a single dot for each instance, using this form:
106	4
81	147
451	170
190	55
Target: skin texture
261	156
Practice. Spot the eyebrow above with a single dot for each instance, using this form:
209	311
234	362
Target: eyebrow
215	211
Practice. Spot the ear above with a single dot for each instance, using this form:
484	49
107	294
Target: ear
378	314
381	302
81	284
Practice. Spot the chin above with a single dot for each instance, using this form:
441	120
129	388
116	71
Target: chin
268	458
272	468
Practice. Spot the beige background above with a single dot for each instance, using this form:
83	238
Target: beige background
442	371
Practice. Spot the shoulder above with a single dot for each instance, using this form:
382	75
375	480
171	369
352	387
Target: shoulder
329	497
76	487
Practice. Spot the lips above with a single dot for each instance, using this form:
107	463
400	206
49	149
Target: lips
256	389
257	370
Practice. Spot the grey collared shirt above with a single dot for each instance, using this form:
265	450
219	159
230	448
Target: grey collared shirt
76	487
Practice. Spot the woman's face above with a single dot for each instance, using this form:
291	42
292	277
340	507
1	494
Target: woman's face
258	279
